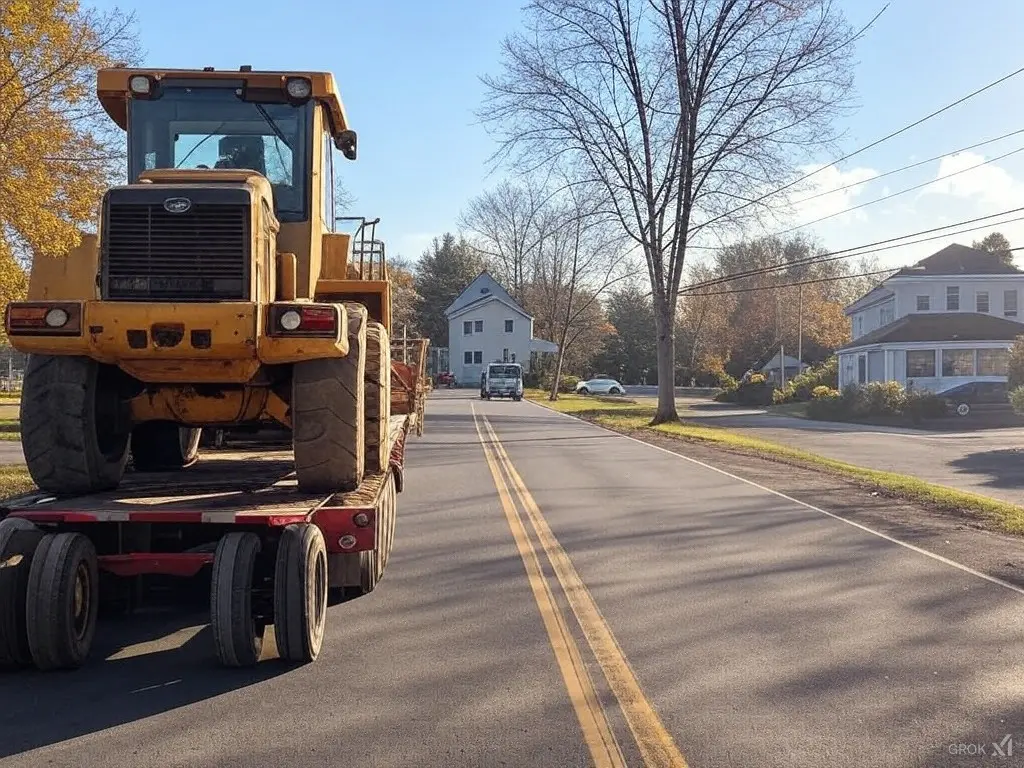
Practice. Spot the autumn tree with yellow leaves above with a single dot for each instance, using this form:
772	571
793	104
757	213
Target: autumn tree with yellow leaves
58	150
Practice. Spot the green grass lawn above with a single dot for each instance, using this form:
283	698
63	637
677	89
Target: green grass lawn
14	480
10	424
634	419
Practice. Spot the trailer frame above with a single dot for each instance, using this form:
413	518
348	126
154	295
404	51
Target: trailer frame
275	555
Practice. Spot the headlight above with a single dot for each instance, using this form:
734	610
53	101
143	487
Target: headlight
56	318
290	320
299	87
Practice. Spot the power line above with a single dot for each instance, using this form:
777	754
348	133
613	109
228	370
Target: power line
798	282
873	144
868	248
897	194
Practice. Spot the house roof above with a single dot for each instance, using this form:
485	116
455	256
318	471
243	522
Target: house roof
941	326
482	288
958	259
489	299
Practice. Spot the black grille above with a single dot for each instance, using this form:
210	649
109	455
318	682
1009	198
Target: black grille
151	254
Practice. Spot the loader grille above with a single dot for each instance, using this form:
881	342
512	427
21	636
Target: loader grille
152	254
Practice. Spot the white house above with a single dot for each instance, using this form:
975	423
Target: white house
945	321
486	325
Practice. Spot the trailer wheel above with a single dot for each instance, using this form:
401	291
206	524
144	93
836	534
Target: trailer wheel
163	446
18	541
62	600
74	425
378	396
389	511
328	416
300	593
237	638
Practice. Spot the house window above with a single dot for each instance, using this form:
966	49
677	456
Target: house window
920	363
952	298
993	362
1010	303
924	303
958	362
467	358
467	328
478	357
509	325
858	326
478	326
981	302
885	316
862	369
504	355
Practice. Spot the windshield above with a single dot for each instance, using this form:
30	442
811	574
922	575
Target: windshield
504	371
188	127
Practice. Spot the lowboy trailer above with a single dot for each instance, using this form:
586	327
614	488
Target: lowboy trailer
274	554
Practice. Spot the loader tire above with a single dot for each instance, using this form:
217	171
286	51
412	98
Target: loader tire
62	601
378	396
163	446
18	542
328	415
237	638
300	593
74	425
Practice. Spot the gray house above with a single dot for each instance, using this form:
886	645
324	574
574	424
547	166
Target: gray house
485	325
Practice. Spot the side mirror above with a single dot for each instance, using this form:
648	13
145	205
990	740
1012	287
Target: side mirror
346	143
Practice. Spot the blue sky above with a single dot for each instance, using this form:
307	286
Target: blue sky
408	73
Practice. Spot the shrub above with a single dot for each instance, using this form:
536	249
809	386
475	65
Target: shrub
724	380
922	404
799	389
727	395
1016	367
823	390
1017	399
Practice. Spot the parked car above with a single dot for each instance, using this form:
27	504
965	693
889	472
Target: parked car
600	385
977	396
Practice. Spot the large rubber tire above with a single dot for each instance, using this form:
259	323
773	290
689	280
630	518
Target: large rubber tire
378	396
62	601
163	446
300	593
74	426
18	542
237	638
328	417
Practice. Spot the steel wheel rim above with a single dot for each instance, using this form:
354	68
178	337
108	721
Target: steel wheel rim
81	604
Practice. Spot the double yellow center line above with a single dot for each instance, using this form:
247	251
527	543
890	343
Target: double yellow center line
654	742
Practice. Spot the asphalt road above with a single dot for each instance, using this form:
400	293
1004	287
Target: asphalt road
985	461
569	597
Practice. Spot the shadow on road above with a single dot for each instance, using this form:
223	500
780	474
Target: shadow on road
1004	467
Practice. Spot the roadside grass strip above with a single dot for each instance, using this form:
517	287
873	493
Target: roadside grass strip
632	419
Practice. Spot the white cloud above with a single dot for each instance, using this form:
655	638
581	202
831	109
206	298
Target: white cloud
831	181
988	184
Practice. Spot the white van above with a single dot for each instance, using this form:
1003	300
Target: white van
503	380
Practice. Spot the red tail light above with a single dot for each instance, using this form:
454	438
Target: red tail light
317	320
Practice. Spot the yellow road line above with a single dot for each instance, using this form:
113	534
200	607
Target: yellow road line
597	732
656	745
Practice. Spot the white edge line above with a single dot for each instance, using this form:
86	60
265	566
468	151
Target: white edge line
819	510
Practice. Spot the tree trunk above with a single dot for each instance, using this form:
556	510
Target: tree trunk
666	412
557	378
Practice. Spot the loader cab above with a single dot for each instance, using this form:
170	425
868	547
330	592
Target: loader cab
194	126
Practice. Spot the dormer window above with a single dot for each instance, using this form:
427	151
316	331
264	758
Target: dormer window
924	303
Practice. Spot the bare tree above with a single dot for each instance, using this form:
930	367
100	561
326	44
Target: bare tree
507	226
684	112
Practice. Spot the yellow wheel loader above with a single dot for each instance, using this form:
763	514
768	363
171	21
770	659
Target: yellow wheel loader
217	291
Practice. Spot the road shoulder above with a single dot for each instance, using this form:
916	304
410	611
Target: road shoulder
960	538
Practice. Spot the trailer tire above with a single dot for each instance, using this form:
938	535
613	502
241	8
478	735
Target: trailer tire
328	415
74	425
18	542
62	600
378	396
300	593
163	446
237	638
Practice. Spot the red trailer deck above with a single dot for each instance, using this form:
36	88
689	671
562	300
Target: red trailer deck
272	552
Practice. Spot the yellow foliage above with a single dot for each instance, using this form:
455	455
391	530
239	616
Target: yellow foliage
55	159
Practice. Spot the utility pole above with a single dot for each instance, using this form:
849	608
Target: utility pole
800	331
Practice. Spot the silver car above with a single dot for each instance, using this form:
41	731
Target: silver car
600	385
